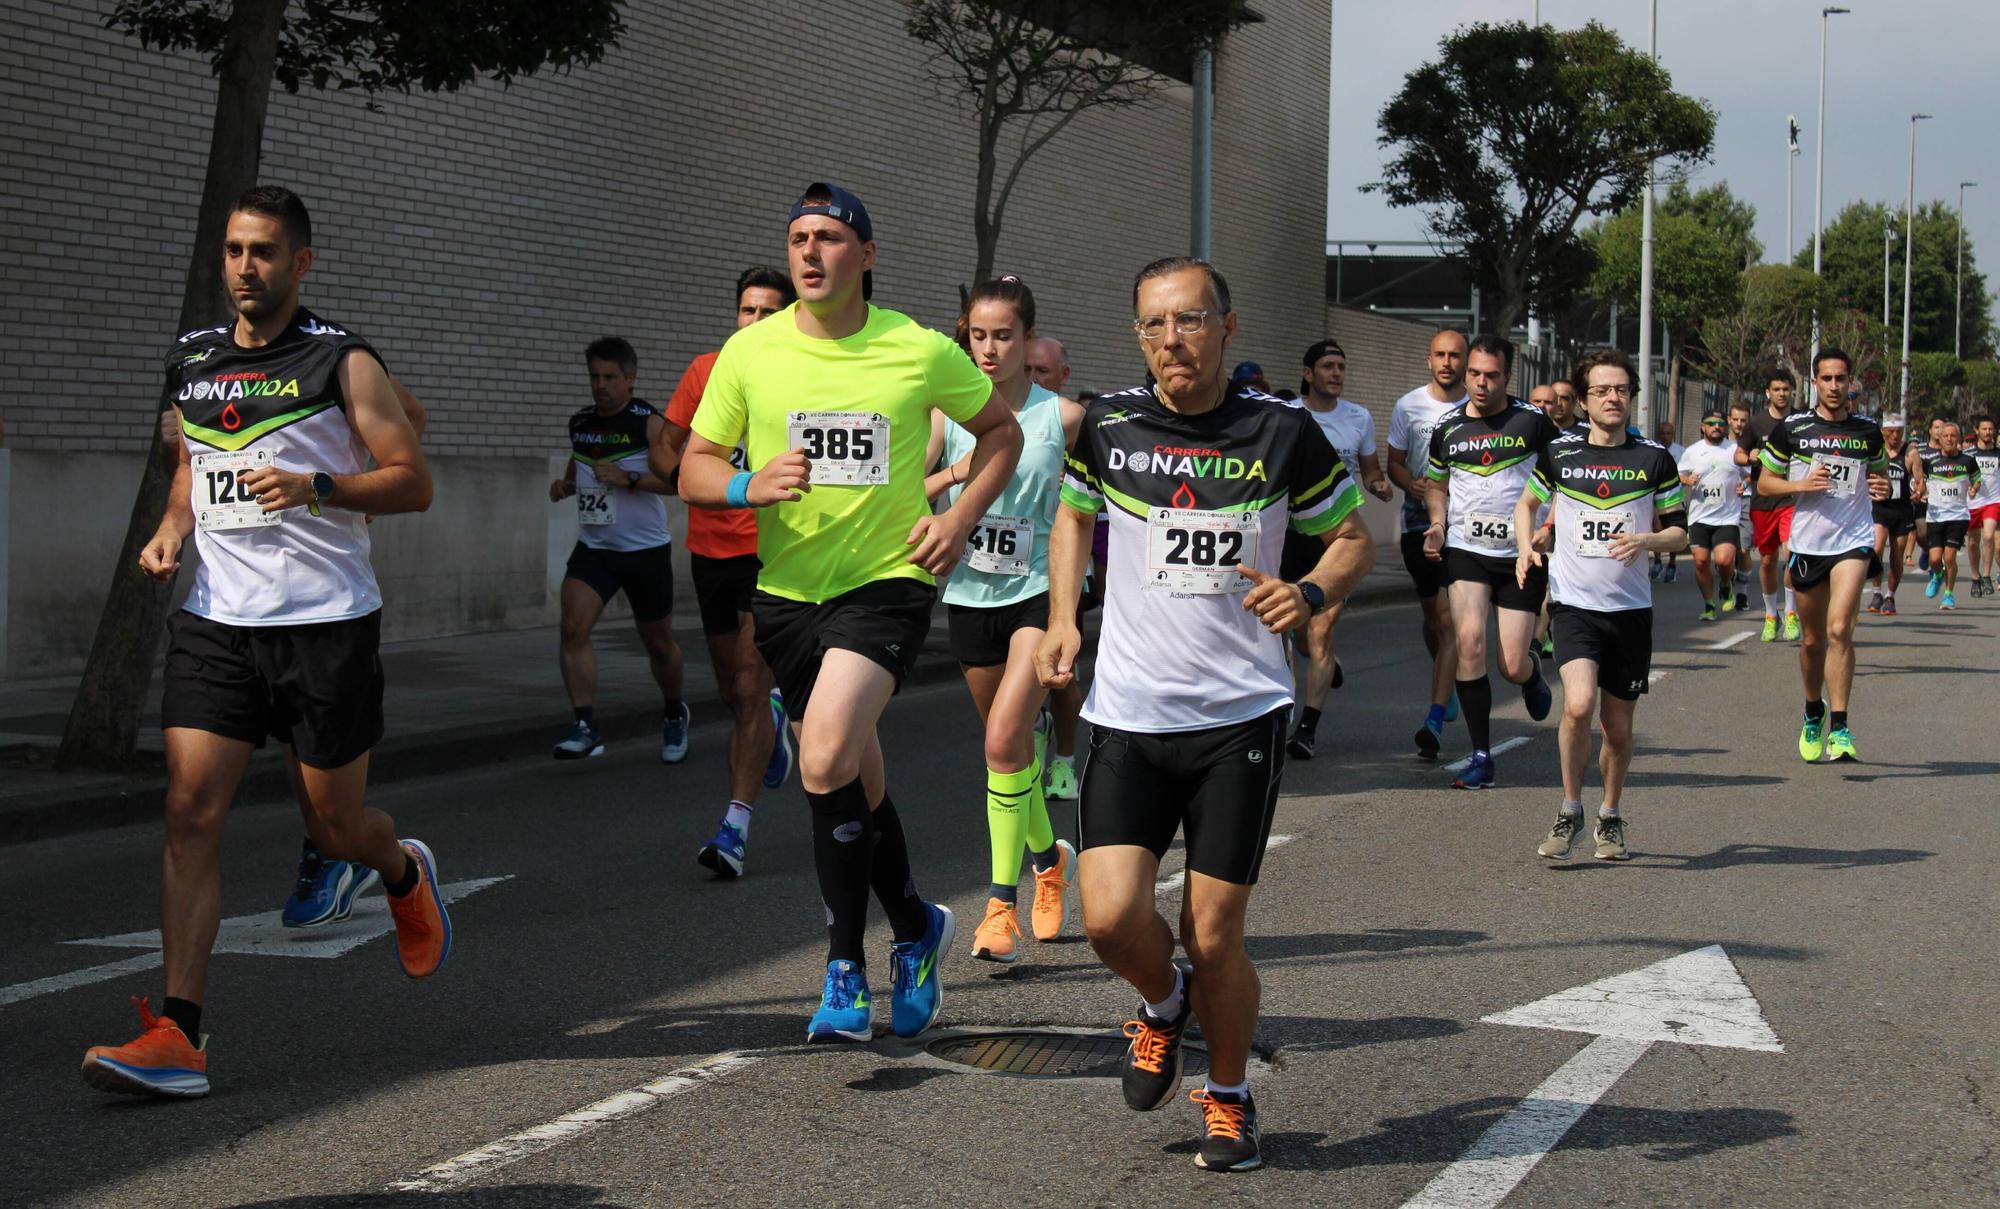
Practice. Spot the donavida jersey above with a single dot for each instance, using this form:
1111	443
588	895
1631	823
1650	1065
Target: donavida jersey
1841	518
1987	491
1714	499
1599	492
281	406
613	516
1191	499
1949	483
1410	425
1485	462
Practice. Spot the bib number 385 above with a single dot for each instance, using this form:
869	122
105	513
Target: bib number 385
847	448
220	500
1195	551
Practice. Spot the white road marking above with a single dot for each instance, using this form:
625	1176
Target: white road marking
78	978
626	1104
1656	675
1732	640
1502	745
1167	885
1696	998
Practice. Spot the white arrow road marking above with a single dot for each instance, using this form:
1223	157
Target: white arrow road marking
1497	748
263	935
1732	640
475	1163
1167	885
1697	998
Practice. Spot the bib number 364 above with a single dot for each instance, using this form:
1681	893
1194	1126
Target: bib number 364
220	500
1190	550
847	448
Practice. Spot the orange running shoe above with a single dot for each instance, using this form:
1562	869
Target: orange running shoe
423	928
1051	910
998	932
159	1063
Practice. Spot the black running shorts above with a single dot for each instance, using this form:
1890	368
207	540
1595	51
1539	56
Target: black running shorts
1218	787
980	635
885	621
317	686
645	576
1940	534
1708	537
1497	573
1302	554
1620	643
722	590
1809	571
1899	519
1425	574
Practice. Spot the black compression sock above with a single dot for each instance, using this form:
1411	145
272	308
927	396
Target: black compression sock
1815	709
1836	719
841	855
407	882
1475	701
587	714
1309	720
895	886
186	1017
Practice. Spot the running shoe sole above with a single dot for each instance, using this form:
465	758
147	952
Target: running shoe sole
106	1074
713	857
1429	743
422	851
579	755
784	745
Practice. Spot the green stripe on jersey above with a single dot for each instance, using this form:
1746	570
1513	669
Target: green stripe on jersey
233	441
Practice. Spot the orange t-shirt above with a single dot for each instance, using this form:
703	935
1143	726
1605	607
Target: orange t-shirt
729	532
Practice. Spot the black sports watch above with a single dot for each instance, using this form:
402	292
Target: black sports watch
1315	598
631	478
322	485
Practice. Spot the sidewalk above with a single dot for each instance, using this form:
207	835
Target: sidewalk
458	702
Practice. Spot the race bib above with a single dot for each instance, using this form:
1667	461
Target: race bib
1191	550
1710	493
219	497
596	504
1001	545
1490	528
1843	475
1947	493
1593	534
847	448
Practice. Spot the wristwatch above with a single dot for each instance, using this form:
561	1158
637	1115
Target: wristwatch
322	486
631	478
1315	598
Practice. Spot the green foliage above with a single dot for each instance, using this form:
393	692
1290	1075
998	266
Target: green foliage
1982	384
1697	273
1771	325
1932	379
1721	212
1517	134
1851	263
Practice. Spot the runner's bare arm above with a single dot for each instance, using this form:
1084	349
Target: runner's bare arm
401	479
412	410
942	478
1372	479
706	471
1069	560
663	450
1348	557
1072	422
1526	556
1437	502
1402	476
160	558
650	480
939	540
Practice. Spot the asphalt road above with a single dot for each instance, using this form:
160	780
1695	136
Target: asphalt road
1856	902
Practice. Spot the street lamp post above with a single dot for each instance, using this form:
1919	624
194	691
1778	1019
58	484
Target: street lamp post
1888	233
1819	158
1958	305
1646	261
1909	246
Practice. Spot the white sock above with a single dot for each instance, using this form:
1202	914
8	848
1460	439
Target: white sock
1240	1089
1791	601
1607	812
1770	604
1068	761
738	817
1170	1007
1572	808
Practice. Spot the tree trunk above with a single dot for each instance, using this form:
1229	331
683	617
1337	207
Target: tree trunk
103	727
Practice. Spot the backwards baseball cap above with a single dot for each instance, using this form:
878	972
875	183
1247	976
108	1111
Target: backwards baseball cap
840	205
1325	348
1246	371
1713	416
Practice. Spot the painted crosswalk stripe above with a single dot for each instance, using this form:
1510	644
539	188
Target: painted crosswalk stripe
79	978
1168	884
1502	745
1732	640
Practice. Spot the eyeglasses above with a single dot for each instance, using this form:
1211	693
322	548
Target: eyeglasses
1187	323
1609	392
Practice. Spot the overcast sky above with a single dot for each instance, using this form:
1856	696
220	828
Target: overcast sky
1754	61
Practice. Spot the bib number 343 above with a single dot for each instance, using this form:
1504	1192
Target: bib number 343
847	448
220	500
1195	551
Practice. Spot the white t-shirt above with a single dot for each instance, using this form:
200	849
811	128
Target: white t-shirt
1410	424
1713	500
1349	428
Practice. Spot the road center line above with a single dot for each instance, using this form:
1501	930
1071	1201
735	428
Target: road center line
79	978
1167	885
1502	745
1731	641
626	1104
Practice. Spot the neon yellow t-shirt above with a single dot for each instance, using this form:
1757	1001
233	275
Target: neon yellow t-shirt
839	536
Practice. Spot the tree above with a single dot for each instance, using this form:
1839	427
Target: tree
368	45
1874	349
1851	263
1721	212
1027	69
1696	273
1517	134
1933	379
1982	386
1771	325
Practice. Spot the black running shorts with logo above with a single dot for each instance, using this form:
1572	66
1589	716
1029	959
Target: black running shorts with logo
1899	519
1619	642
722	589
317	686
884	621
645	576
980	635
1708	537
1941	534
1218	787
1497	573
1811	570
1425	574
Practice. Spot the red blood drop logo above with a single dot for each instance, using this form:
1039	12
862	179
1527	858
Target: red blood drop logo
1183	498
1486	459
1604	491
230	419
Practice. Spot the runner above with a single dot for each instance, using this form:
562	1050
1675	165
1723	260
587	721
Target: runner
1771	515
1713	479
1663	435
1567	416
722	564
1615	496
622	544
1048	366
280	413
998	604
1921	445
1351	431
1480	458
1895	518
831	400
1820	458
1550	404
1739	420
1410	424
1948	479
1189	702
1985	504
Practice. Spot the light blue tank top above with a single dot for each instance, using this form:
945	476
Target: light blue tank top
1013	538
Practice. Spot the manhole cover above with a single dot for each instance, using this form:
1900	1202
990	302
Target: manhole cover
1048	1054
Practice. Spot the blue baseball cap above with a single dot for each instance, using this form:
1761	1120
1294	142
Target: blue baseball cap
840	205
1246	371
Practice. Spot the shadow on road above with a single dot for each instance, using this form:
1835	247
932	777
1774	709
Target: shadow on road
1375	940
1731	856
1319	1034
540	1196
1936	768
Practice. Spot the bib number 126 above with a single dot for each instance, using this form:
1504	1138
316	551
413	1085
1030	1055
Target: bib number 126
220	500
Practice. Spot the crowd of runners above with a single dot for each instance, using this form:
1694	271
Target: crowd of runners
841	462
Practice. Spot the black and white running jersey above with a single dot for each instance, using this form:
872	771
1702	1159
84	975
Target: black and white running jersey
614	516
1950	481
1599	492
1897	468
1842	518
1192	498
1485	462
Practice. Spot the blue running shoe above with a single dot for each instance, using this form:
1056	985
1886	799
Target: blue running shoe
1923	559
844	1005
1935	582
784	751
1538	697
326	890
674	736
1478	774
724	853
917	996
1451	707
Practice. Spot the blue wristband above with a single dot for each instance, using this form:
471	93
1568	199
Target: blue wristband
738	493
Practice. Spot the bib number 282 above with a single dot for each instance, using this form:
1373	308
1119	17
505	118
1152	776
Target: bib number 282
1196	551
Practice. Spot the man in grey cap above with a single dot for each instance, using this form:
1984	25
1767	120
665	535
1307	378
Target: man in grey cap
1895	518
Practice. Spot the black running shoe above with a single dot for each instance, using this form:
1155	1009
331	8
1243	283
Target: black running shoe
1429	740
1300	745
1228	1131
1151	1067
